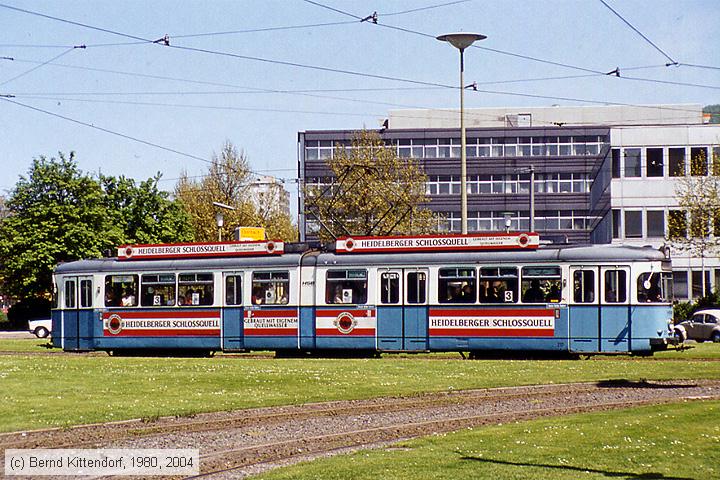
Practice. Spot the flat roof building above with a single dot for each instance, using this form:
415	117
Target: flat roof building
602	173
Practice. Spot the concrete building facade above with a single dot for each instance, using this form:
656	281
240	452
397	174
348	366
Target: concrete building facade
602	174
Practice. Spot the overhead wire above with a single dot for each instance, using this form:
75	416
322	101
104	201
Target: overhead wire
295	64
419	9
38	66
626	22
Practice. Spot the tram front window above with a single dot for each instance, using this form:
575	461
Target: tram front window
654	287
158	290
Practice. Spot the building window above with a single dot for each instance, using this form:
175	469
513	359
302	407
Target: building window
697	286
655	223
632	162
615	163
677	162
680	284
654	162
698	161
677	223
616	216
443	185
633	224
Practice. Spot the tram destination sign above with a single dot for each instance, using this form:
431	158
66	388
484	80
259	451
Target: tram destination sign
435	243
195	250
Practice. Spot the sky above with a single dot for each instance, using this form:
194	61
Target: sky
256	73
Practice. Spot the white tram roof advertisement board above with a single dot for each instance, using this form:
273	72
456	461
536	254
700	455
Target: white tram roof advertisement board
437	243
194	250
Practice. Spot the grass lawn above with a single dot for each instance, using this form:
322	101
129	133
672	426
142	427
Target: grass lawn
26	345
676	441
39	391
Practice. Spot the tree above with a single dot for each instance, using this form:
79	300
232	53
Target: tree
695	227
373	192
228	181
55	215
58	214
141	213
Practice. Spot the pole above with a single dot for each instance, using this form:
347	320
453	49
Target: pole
463	153
532	198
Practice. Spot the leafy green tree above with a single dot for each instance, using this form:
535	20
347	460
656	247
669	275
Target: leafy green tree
58	214
229	181
141	213
695	227
373	192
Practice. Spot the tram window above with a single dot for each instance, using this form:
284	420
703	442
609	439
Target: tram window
498	285
584	286
233	290
615	286
541	284
121	290
85	293
653	287
270	288
54	295
158	290
389	287
416	287
69	293
195	289
457	285
346	286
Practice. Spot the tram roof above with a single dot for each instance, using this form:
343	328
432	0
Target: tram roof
564	254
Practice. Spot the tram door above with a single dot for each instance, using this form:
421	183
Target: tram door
402	309
584	311
232	312
77	321
615	311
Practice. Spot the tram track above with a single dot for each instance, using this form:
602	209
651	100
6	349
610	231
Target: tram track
235	444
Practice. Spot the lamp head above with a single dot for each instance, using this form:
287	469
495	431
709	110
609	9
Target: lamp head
461	40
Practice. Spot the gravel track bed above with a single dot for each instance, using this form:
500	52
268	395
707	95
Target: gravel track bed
237	444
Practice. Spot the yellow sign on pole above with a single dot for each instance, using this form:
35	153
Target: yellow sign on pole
249	233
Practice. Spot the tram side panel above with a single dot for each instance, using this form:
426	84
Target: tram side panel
343	317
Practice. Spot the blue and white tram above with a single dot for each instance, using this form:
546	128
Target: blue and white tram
474	293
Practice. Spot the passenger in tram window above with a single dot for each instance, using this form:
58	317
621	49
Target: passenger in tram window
553	295
257	296
534	294
467	295
338	298
111	298
128	299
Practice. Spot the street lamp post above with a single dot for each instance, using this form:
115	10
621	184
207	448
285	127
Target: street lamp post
461	41
219	219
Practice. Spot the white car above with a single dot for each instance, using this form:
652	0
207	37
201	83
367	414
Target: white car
41	327
703	325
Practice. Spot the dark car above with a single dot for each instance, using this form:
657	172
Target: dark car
703	325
